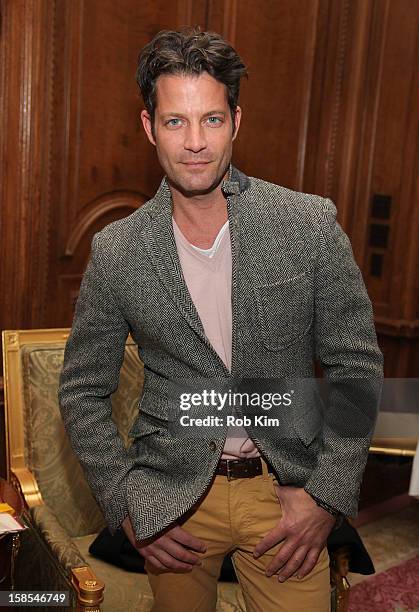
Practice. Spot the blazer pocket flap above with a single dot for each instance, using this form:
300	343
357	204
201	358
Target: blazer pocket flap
144	425
308	426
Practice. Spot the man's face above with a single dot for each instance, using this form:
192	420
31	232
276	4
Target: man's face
193	131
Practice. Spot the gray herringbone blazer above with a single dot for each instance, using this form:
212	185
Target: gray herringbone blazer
297	294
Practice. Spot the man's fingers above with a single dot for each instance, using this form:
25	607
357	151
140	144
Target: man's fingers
285	570
172	550
184	537
268	541
178	551
168	561
281	558
156	563
309	563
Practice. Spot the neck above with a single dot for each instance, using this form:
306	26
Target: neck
201	217
202	211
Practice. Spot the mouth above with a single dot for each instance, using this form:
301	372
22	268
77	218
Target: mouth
196	164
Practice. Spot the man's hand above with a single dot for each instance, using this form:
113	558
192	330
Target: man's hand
170	551
304	526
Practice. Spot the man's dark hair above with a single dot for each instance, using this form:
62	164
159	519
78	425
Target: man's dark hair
189	51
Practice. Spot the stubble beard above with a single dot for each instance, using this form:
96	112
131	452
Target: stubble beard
187	187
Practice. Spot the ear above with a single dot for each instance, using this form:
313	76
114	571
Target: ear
237	119
148	126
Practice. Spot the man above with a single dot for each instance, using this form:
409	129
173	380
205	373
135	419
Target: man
222	278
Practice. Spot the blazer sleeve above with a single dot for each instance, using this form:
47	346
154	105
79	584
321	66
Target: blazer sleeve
346	346
92	363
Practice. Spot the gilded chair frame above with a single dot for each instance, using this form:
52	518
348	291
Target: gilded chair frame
13	342
88	589
405	447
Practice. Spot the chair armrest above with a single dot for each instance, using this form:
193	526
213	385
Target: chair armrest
89	588
58	540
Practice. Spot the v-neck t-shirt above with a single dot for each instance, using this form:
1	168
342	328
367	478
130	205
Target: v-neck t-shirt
207	274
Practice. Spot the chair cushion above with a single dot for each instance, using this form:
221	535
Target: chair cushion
48	453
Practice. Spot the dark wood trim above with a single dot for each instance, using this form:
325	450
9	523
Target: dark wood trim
400	328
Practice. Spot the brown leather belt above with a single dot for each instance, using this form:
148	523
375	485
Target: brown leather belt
240	468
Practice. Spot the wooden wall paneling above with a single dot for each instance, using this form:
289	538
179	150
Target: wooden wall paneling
367	150
404	293
70	138
317	149
24	111
336	112
191	13
348	122
307	70
370	96
388	166
277	41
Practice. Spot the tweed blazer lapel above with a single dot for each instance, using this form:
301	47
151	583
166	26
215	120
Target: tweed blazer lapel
161	245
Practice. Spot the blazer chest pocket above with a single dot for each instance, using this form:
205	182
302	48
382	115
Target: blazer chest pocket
285	311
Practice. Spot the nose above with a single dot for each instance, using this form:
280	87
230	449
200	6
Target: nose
195	138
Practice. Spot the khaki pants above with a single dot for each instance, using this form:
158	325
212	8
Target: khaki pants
234	516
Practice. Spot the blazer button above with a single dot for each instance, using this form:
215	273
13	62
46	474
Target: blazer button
212	445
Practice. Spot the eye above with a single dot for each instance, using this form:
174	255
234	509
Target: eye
173	122
214	120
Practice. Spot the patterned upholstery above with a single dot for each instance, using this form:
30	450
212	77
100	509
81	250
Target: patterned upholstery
48	451
70	518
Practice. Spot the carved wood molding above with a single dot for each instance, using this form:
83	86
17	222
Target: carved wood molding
341	53
337	106
100	207
26	64
352	105
406	223
344	83
72	61
365	144
308	70
400	328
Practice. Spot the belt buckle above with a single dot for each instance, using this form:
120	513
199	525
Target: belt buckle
230	476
